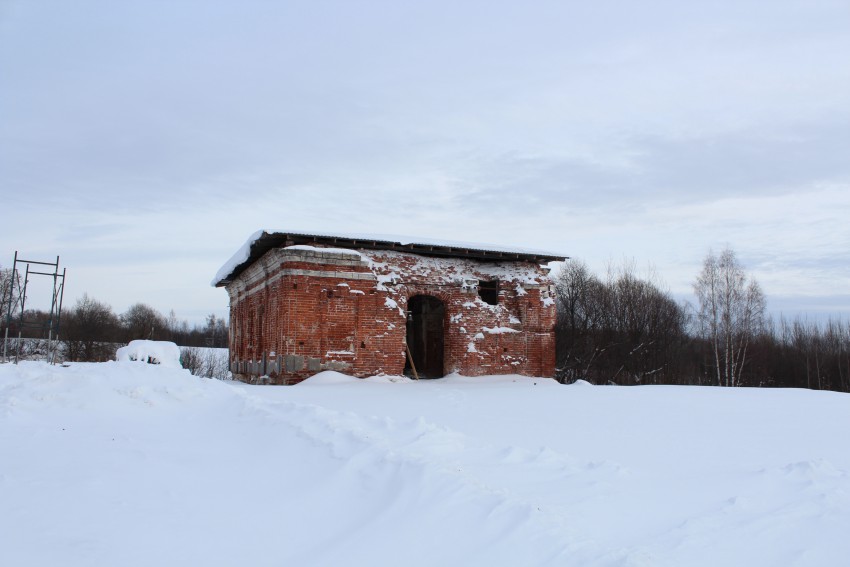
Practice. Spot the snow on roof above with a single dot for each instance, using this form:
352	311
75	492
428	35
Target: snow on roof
263	240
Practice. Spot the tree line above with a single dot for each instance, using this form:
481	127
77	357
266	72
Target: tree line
91	331
626	329
620	329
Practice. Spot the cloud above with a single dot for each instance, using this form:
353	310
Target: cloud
138	135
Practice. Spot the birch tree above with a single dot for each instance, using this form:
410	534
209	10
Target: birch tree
9	292
731	313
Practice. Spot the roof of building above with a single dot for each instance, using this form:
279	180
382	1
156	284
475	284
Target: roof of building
264	240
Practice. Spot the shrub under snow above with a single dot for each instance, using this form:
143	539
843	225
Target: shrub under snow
164	353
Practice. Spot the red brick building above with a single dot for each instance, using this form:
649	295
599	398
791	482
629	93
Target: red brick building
302	303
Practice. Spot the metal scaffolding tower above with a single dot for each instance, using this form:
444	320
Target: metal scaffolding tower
15	302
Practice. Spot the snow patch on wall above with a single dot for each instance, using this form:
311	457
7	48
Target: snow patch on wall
385	280
449	271
391	303
499	330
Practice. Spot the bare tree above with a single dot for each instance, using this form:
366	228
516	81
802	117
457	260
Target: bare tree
9	291
206	362
91	331
581	298
216	332
142	321
10	296
649	327
731	313
626	330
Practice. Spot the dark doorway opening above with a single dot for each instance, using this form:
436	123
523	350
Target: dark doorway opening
425	315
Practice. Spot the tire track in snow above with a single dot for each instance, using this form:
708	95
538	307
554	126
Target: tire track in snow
451	467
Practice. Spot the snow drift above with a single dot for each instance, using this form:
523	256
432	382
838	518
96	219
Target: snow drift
137	464
151	352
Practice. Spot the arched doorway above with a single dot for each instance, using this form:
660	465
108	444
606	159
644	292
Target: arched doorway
425	315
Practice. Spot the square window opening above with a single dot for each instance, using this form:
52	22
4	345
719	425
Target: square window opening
488	291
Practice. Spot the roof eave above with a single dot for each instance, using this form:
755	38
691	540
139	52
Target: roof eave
267	241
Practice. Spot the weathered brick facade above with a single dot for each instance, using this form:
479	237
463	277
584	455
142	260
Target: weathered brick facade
300	309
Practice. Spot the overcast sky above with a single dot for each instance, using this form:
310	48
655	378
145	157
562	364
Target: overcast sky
144	141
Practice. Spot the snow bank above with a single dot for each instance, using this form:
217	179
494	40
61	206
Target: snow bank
388	379
328	377
164	353
113	387
498	379
138	464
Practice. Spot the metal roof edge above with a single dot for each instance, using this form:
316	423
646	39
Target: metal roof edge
263	241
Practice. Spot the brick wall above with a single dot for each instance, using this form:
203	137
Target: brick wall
300	310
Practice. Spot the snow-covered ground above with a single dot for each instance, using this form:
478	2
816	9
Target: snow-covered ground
134	464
